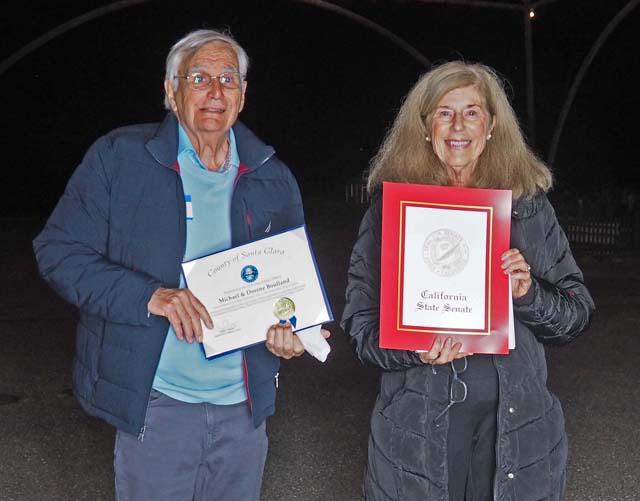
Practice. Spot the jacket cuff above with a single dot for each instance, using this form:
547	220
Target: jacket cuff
527	299
146	317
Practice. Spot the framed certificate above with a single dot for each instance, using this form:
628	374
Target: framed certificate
248	288
440	267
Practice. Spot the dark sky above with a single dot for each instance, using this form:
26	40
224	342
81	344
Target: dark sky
322	88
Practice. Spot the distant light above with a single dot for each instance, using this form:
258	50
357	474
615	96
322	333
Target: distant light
532	14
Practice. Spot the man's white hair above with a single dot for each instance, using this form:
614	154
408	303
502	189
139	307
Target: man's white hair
190	44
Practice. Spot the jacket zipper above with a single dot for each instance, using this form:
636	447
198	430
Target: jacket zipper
245	373
245	370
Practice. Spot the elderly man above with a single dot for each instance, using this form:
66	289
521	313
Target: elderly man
144	199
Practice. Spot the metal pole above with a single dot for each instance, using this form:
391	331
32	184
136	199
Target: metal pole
372	25
63	28
528	52
476	3
577	81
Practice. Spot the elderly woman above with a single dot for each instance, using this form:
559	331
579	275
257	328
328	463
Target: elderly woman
504	437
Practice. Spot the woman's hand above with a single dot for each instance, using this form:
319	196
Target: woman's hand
442	353
513	264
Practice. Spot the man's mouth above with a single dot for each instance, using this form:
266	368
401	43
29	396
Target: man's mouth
214	109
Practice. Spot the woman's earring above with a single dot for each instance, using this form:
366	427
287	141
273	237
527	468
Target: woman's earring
428	139
488	137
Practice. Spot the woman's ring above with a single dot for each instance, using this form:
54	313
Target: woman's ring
528	268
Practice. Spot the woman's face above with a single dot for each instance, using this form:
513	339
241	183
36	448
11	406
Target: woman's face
459	129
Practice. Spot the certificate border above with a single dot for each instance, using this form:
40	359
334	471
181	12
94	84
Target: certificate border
486	330
393	194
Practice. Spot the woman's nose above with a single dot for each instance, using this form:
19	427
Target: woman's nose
458	122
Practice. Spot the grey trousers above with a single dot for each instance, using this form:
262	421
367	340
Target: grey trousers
191	452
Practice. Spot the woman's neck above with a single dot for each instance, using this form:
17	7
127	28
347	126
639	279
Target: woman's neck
460	176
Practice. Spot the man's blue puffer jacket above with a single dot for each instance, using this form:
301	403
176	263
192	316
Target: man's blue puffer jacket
118	233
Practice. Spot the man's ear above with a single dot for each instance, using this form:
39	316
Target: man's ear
168	89
244	89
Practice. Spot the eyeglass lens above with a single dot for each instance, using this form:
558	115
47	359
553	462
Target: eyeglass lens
457	390
202	80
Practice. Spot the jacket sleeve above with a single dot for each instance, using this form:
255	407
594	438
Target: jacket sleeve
558	306
72	248
361	317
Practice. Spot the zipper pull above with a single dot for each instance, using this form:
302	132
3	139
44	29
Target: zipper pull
141	434
276	378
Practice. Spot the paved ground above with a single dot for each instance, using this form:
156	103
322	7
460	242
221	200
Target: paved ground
50	450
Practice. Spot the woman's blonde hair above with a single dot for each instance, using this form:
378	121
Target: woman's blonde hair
506	162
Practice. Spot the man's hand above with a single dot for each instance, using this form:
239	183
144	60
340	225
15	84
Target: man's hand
183	310
282	342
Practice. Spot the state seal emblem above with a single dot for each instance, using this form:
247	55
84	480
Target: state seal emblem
445	252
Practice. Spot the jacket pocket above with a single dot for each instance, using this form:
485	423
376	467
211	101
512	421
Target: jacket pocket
90	337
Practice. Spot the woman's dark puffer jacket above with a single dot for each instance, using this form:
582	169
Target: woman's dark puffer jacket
407	457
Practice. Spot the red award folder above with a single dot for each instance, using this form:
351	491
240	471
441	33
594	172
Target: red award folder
440	267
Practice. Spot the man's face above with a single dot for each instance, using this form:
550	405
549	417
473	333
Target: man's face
212	111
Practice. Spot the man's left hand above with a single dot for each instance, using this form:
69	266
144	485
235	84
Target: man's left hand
282	342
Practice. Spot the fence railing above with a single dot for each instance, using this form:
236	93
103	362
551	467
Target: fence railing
600	236
356	193
591	235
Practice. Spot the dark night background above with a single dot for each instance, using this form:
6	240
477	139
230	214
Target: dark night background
322	88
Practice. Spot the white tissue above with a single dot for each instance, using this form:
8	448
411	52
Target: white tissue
314	342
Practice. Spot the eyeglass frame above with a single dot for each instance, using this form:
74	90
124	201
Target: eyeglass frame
455	378
211	79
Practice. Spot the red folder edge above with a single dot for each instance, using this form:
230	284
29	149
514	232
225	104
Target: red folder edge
394	335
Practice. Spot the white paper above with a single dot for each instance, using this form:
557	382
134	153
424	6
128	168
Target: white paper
512	327
240	286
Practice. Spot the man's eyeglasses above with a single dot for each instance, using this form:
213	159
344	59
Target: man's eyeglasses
457	390
200	80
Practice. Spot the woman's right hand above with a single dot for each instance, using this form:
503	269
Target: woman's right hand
442	353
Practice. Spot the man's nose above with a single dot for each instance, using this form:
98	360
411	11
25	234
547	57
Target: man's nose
215	89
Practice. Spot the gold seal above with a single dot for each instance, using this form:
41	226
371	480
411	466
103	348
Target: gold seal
284	308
